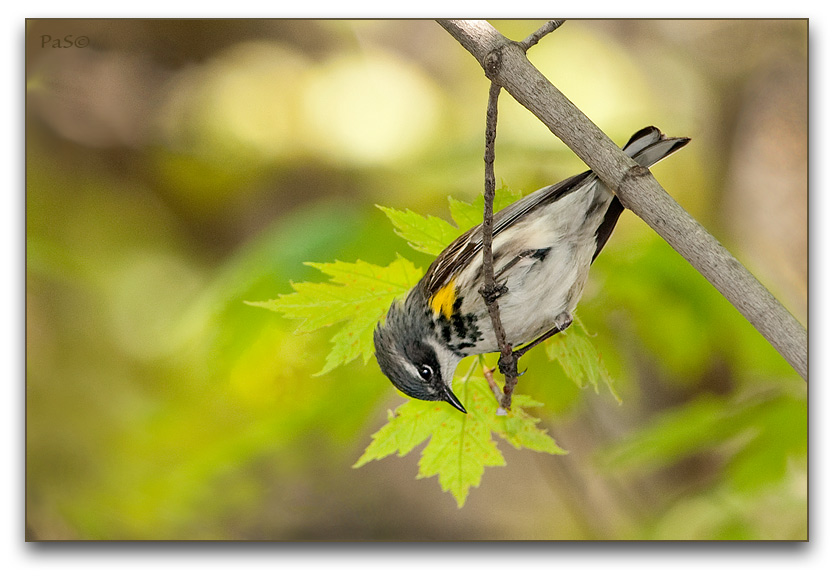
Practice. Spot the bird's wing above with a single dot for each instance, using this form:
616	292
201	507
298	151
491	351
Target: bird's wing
465	248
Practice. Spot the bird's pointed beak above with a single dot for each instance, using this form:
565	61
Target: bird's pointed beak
450	398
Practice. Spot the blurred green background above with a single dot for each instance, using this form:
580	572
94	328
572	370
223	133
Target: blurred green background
177	168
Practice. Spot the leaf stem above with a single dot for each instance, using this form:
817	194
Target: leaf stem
472	368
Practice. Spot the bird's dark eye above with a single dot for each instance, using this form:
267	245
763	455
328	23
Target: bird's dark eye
425	372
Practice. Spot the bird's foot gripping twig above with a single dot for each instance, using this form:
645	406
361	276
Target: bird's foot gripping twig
494	293
508	361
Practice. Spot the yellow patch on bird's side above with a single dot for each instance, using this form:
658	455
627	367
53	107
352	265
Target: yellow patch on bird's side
443	301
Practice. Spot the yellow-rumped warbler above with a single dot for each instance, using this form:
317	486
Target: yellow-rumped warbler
543	247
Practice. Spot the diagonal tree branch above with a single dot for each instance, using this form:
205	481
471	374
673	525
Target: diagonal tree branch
506	64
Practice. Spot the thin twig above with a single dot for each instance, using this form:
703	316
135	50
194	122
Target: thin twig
534	38
489	375
490	287
491	291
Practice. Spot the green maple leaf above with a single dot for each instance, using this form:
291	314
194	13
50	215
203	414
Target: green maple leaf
427	234
431	234
461	445
358	294
579	358
518	428
467	215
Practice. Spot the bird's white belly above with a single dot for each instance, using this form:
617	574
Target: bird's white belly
537	292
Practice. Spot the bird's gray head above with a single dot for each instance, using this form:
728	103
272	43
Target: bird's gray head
412	357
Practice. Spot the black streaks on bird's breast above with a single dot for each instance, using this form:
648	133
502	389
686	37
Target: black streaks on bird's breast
459	331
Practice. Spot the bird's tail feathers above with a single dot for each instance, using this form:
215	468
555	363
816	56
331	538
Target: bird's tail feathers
649	145
646	147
